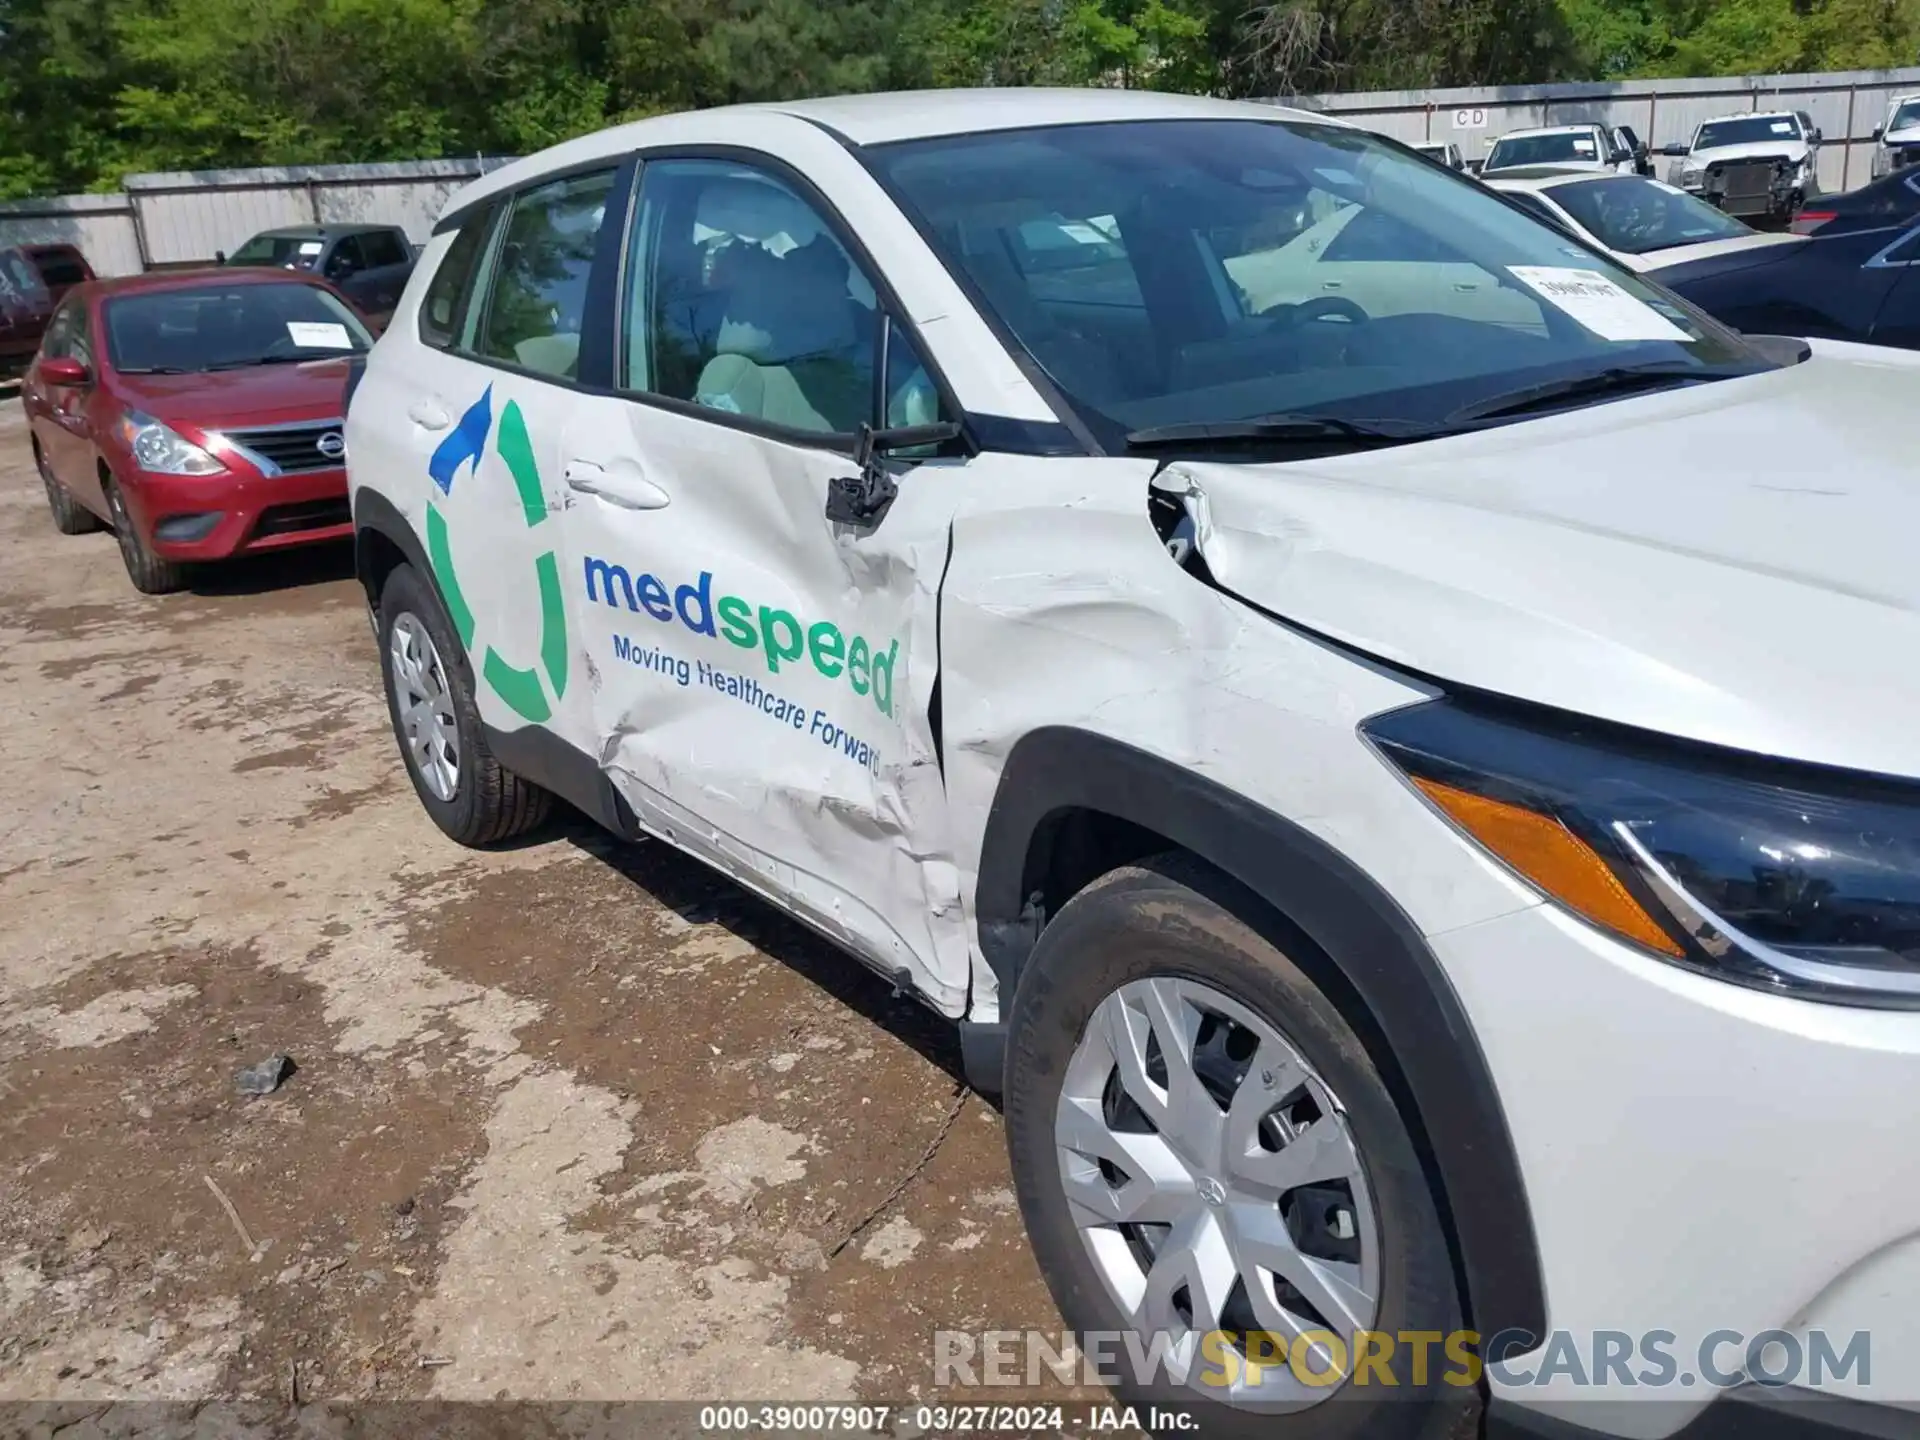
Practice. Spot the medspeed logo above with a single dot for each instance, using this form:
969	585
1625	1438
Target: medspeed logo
781	638
520	689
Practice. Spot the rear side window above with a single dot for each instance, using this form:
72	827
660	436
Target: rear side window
446	296
381	248
536	291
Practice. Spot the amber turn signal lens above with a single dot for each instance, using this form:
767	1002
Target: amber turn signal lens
1554	859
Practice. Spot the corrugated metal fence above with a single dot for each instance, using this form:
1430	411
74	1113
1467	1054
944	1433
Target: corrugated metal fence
1846	105
188	217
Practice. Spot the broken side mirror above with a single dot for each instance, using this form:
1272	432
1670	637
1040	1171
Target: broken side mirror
863	499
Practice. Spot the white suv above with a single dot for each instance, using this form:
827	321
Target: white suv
1416	853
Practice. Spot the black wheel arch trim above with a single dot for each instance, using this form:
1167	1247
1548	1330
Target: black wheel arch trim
533	752
1377	950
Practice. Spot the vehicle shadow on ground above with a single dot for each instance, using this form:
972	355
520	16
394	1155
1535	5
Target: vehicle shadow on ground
274	570
703	896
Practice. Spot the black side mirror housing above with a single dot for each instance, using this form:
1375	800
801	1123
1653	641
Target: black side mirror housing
1674	150
863	499
1879	133
219	257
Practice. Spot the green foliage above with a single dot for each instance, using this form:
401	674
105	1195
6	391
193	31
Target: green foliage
93	89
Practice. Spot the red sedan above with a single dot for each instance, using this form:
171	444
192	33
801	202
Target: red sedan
197	413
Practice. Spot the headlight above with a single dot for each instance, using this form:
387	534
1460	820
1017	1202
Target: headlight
1780	876
159	448
1691	171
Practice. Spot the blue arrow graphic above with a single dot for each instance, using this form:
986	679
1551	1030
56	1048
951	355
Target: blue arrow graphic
465	445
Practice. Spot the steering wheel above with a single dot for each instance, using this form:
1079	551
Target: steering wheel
1321	307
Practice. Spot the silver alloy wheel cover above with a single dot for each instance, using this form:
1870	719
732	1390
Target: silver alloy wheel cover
1207	1174
423	706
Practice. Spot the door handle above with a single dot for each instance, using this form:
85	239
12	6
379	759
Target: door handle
428	415
629	491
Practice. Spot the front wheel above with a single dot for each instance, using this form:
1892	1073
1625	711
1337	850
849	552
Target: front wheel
471	796
150	574
1205	1152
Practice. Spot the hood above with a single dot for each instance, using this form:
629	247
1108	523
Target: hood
1731	562
1905	135
1784	148
232	399
1740	248
1557	167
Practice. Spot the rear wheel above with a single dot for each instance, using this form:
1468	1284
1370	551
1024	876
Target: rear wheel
150	574
70	517
471	796
1204	1151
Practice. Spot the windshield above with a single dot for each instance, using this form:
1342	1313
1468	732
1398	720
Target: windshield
1907	114
1747	130
295	252
224	327
1566	147
1244	267
1636	215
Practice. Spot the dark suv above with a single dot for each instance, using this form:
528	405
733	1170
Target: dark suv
370	264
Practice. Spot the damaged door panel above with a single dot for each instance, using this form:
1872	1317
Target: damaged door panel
762	677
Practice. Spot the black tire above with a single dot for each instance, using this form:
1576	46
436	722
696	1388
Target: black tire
1172	916
70	517
490	803
150	574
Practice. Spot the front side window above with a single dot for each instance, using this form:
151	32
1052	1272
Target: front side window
1746	130
1638	216
536	291
53	344
1281	267
1566	147
79	340
229	327
741	300
346	259
452	282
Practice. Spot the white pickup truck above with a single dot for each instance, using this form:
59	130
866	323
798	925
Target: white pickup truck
1584	146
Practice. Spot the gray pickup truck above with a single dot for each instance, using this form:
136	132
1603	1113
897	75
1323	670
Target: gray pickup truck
369	264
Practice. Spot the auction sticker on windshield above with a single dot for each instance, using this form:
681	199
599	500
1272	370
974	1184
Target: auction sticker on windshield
319	334
1597	303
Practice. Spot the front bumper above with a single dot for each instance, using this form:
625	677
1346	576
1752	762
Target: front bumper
214	517
1699	1159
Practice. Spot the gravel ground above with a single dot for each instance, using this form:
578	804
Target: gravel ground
571	1121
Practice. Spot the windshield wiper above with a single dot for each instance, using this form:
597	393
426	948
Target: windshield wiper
1283	429
1615	380
156	370
279	360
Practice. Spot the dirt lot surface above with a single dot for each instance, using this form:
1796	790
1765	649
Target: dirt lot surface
572	1121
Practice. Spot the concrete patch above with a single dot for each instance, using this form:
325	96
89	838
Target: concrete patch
100	1021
